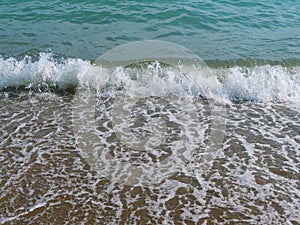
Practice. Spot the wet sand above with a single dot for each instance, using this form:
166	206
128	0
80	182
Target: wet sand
45	180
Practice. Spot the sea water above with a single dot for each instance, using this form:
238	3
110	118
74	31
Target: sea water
149	143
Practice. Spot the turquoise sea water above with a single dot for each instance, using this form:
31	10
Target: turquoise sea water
149	141
212	29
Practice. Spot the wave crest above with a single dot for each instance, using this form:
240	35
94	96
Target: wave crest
266	83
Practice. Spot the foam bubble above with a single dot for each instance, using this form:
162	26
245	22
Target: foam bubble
266	83
263	83
46	71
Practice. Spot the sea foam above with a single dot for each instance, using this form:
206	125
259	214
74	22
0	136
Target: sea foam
265	83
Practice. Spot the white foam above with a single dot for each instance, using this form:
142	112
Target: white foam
45	71
261	83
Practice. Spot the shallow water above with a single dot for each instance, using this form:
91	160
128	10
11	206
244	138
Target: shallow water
213	30
253	179
150	142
